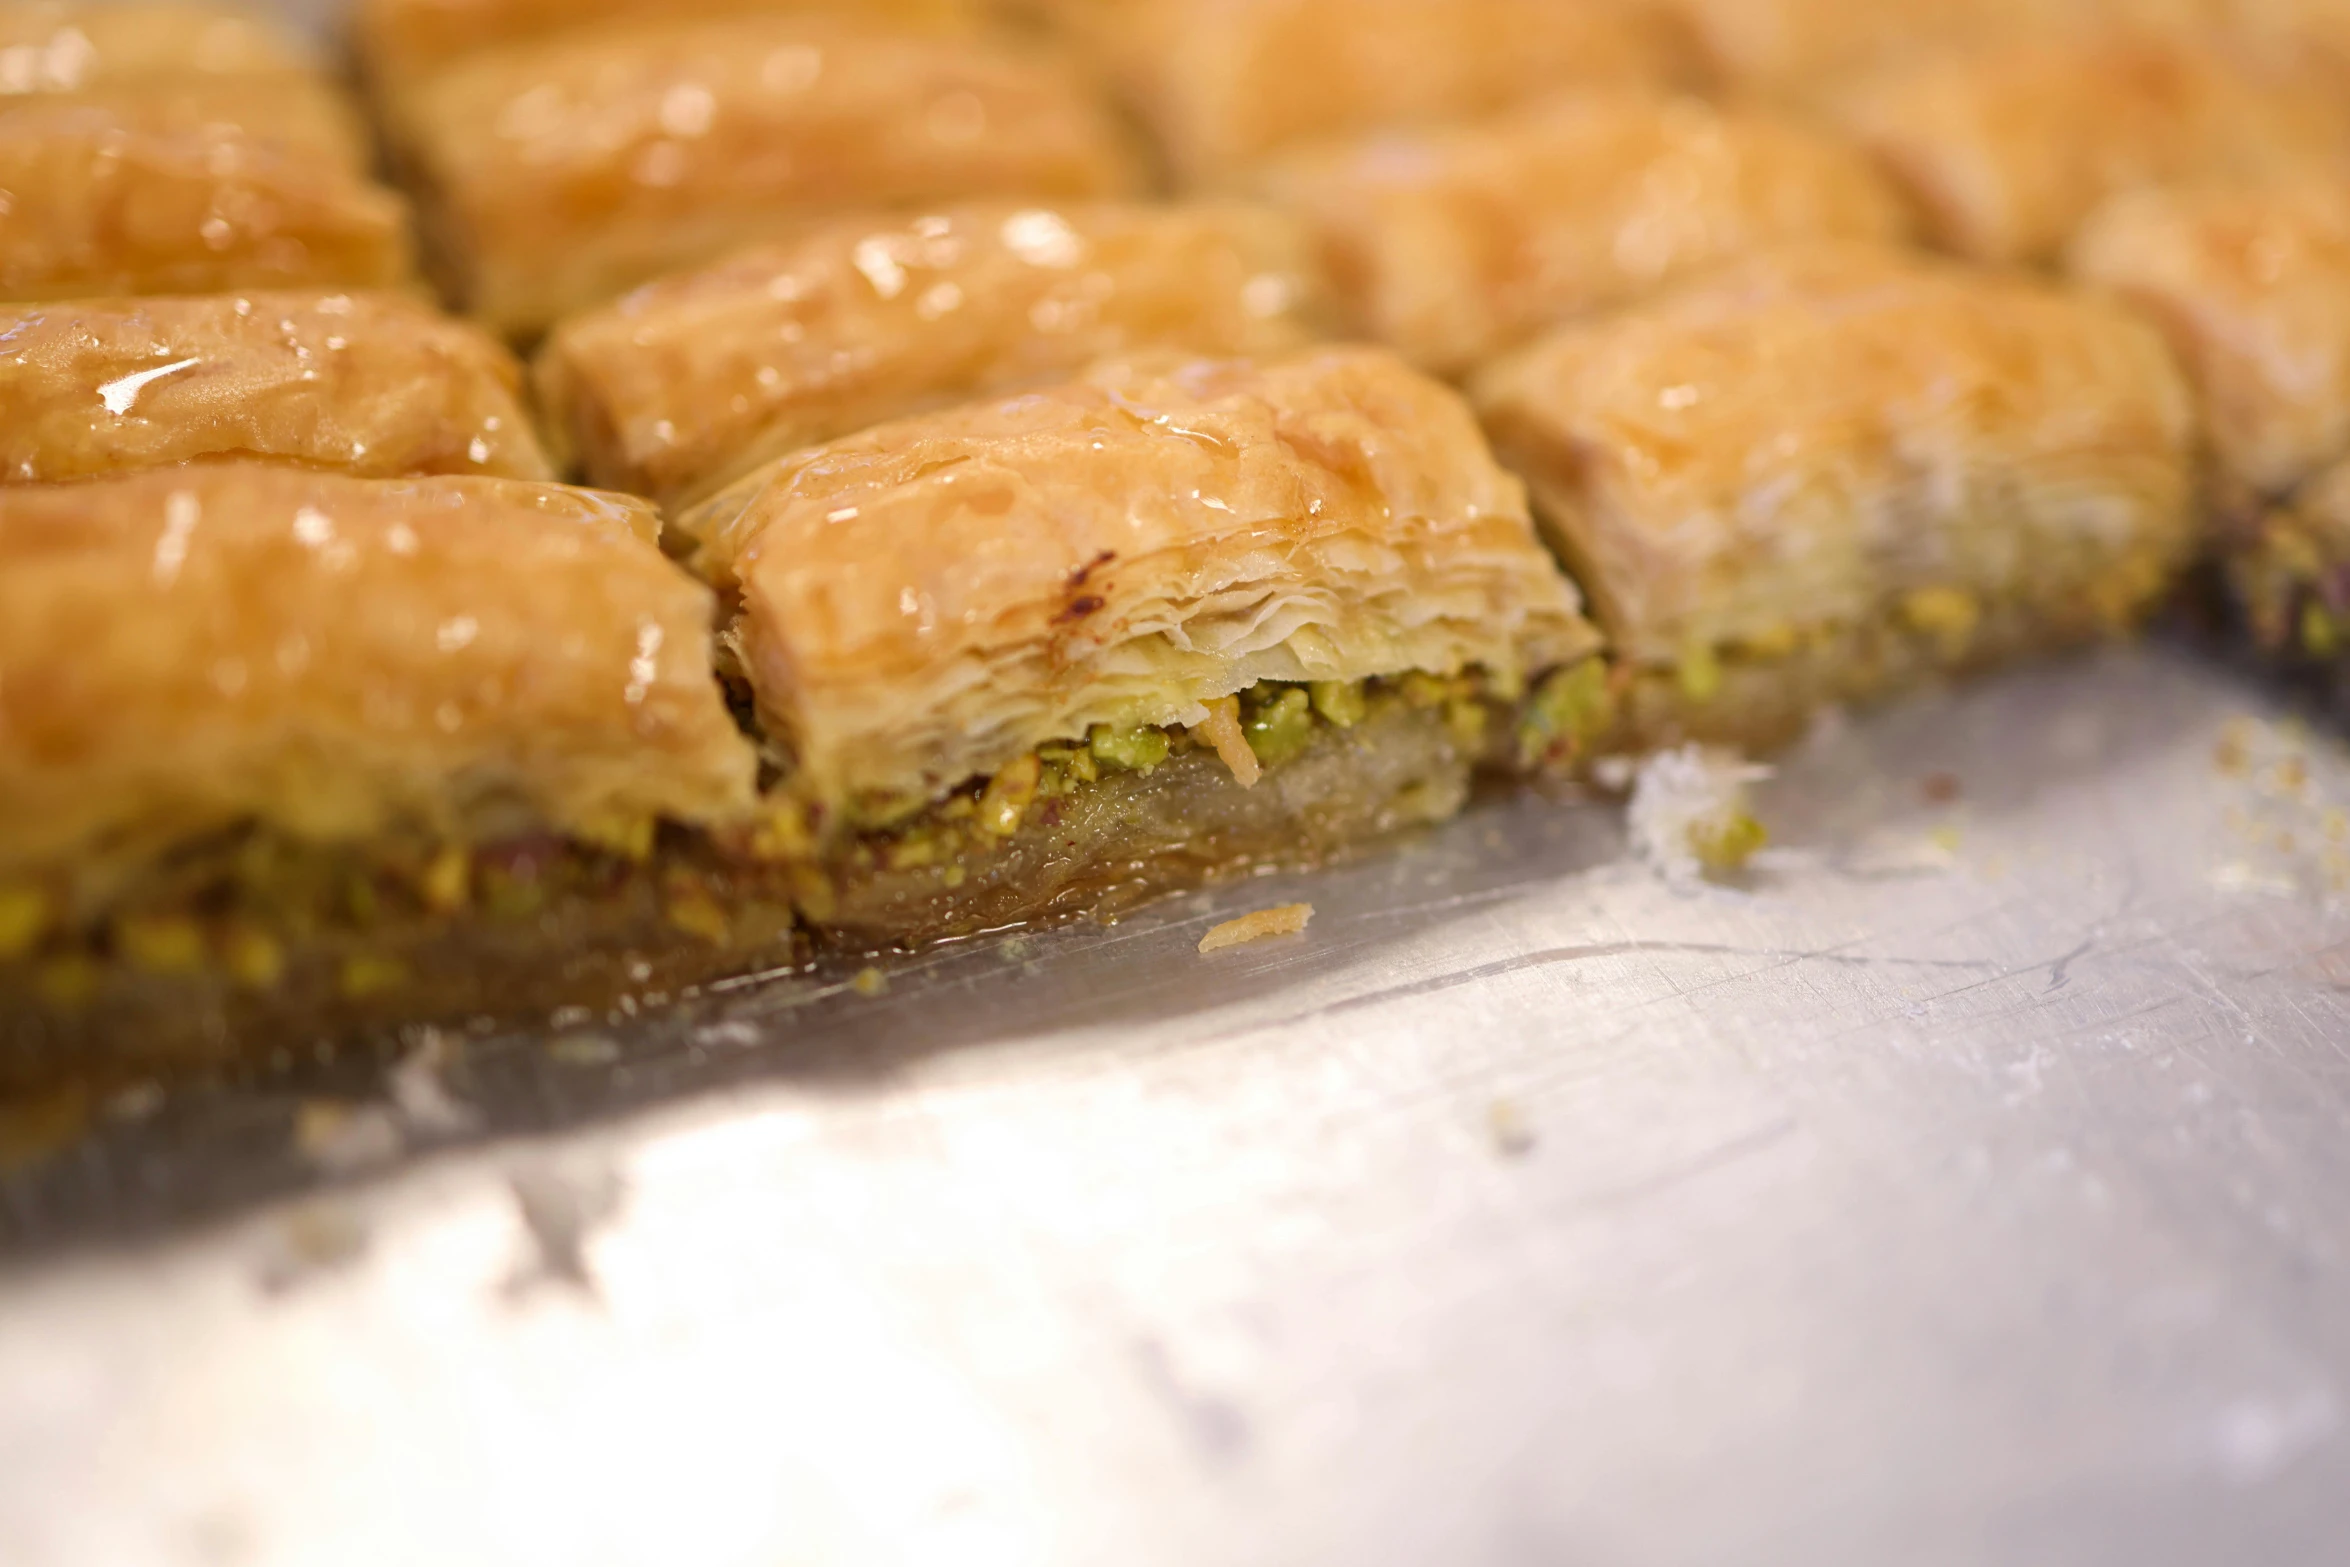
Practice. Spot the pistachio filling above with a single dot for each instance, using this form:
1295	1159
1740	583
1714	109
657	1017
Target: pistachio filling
2293	591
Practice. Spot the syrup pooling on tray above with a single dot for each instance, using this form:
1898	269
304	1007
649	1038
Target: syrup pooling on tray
1940	468
563	173
689	383
376	384
1459	243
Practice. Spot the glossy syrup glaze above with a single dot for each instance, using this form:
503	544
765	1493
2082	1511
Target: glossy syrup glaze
928	600
563	174
1457	244
195	648
686	384
379	385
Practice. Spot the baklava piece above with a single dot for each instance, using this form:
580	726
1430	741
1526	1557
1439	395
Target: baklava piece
1458	244
2007	151
402	40
374	384
1827	476
282	753
64	46
1225	82
95	205
1169	620
2252	287
559	174
693	381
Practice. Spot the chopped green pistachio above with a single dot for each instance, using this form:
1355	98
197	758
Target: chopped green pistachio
447	883
691	909
913	852
1571	710
2320	636
626	834
1425	691
812	894
368	975
253	958
783	833
1009	794
1726	843
1701	672
161	944
1342	703
24	920
69	982
1466	720
1281	728
1131	750
1949	615
509	896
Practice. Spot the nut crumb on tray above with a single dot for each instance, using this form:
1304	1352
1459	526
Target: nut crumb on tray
1260	926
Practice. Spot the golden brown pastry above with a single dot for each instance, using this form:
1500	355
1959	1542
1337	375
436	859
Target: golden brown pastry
561	174
2009	150
1457	244
1169	615
93	206
295	116
375	384
1824	476
1224	82
692	381
2252	287
267	733
50	46
401	39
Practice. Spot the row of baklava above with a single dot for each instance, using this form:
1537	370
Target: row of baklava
1053	556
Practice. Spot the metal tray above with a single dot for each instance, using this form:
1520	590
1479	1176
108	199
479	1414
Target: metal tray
1972	1186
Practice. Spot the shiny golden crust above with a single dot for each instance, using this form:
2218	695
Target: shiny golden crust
189	649
95	208
693	381
375	384
927	601
1743	466
297	116
1225	82
2007	151
1455	245
2252	287
562	174
48	46
401	39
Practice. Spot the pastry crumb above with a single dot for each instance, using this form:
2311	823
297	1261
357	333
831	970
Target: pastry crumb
1691	815
869	982
1265	924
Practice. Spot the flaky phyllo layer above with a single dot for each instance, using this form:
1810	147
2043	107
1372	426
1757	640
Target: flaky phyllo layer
926	602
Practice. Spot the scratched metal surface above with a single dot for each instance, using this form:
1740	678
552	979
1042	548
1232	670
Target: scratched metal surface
1975	1186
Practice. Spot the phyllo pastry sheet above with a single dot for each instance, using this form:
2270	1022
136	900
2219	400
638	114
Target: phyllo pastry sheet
374	384
1827	475
690	382
2252	287
400	40
1456	244
49	46
1163	617
252	716
2008	150
294	116
1224	82
557	175
95	205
